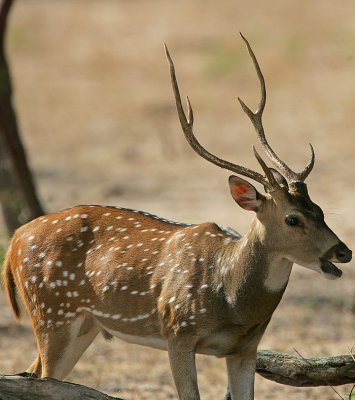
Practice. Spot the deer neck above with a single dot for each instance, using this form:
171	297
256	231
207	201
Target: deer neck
250	265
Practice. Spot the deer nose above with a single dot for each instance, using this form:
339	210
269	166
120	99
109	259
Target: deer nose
343	253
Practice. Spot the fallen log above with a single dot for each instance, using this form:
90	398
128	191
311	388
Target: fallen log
302	372
16	387
278	367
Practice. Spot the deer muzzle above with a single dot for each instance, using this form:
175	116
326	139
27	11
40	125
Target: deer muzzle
343	253
338	253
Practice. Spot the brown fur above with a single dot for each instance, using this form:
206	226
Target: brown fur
10	286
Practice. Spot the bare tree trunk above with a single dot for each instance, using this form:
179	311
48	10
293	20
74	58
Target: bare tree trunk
17	190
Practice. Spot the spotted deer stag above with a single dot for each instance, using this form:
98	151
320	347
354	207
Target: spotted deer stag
178	287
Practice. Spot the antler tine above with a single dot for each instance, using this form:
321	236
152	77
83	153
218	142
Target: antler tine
256	119
187	127
266	169
303	175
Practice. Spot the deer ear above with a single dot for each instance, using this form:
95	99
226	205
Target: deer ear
244	193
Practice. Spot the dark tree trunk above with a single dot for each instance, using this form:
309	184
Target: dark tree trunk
18	195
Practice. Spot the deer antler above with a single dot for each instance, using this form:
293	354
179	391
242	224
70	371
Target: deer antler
256	119
187	127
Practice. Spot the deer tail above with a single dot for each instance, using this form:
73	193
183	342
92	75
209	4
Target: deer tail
10	286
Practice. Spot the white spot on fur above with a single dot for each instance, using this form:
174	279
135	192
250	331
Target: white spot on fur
205	286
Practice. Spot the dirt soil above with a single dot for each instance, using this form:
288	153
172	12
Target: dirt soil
96	110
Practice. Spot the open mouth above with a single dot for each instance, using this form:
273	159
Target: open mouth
330	270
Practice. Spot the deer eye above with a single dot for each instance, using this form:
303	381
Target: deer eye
292	220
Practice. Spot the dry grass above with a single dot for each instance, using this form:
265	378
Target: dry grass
97	115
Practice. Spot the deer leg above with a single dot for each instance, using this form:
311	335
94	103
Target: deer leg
35	367
62	347
241	372
183	368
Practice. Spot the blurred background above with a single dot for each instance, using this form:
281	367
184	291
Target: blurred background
97	116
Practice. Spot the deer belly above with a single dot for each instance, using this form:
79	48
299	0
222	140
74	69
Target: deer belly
155	342
227	342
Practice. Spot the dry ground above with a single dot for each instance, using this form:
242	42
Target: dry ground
97	115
